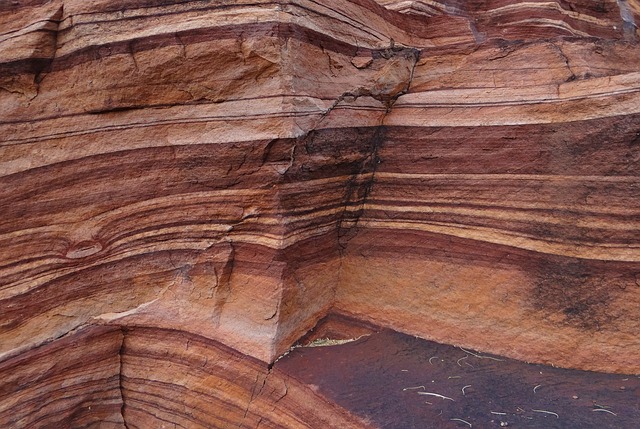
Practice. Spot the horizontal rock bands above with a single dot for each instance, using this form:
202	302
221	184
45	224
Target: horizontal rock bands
549	301
526	19
239	170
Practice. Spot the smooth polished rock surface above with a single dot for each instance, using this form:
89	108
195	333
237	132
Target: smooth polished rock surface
235	171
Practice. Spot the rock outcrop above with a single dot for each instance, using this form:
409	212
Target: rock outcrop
226	174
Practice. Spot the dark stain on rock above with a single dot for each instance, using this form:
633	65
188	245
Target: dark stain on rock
578	292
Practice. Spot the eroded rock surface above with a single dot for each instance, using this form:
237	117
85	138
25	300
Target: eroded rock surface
235	171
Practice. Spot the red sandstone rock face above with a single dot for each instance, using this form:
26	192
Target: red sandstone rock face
230	171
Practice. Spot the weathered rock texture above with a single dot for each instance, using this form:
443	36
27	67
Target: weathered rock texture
231	172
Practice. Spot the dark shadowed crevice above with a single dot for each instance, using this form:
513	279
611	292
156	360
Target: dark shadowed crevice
121	378
348	222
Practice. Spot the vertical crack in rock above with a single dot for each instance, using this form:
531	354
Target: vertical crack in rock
345	225
121	378
223	284
132	52
275	403
386	91
564	57
255	395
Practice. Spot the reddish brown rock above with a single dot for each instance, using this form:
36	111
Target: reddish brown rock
104	377
413	383
235	171
74	382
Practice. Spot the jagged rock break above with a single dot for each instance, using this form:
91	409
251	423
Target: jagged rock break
226	174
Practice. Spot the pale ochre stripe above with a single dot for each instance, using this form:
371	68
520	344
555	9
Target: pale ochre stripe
255	213
549	5
184	18
113	31
508	176
287	107
271	106
497	215
238	198
174	9
480	116
218	131
605	252
410	6
545	23
501	204
276	241
378	30
341	13
601	87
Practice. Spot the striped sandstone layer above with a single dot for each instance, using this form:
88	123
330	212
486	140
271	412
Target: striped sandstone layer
233	171
104	377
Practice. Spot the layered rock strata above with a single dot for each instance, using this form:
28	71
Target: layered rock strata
151	378
236	170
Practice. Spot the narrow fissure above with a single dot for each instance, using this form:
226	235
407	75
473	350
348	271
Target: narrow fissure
254	395
373	157
121	379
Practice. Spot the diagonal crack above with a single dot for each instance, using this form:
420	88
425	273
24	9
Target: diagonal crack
255	394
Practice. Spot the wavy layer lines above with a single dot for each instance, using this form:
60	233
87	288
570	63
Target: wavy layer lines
516	20
255	164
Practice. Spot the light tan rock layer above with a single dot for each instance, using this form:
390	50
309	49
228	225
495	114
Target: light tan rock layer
238	170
